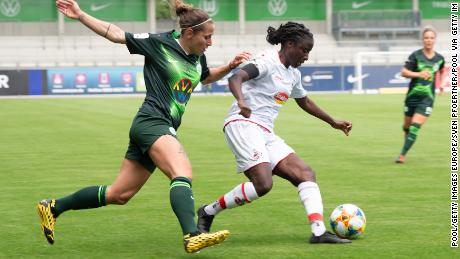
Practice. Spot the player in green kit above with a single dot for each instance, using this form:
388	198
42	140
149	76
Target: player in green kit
421	67
174	65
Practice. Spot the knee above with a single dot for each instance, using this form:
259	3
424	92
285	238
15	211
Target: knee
118	198
405	129
263	187
307	174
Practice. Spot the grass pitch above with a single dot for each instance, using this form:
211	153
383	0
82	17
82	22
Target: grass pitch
53	147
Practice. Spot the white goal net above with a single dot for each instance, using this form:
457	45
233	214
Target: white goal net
379	72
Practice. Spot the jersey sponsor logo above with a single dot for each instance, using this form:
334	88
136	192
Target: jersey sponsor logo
357	5
144	35
277	7
97	8
353	79
4	81
281	98
182	90
210	6
10	8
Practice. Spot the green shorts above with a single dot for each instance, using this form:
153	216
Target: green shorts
423	107
145	130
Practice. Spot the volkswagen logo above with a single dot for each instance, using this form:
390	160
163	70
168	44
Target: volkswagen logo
10	8
277	7
209	6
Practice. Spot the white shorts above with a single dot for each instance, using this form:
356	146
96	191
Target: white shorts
252	144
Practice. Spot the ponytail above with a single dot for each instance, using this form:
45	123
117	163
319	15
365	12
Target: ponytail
290	31
190	17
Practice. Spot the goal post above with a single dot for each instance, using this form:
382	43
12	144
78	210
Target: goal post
379	71
378	60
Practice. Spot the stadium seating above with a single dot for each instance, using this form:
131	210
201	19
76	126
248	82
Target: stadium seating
52	51
395	23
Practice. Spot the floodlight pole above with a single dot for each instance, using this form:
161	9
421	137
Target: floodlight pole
241	15
415	5
151	15
329	17
61	27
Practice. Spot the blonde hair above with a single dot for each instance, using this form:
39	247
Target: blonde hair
427	29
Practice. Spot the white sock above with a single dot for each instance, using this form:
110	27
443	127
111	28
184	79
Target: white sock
311	199
241	194
213	208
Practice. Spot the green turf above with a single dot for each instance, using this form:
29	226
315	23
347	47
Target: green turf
53	147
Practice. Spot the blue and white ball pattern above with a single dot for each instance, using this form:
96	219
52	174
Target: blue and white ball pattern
348	221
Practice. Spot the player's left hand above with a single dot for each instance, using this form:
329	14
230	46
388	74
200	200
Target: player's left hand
69	8
238	59
344	126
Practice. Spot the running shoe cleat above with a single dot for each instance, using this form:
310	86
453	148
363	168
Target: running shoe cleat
204	220
47	219
400	159
329	238
194	243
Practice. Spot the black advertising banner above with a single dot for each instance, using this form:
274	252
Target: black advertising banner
14	82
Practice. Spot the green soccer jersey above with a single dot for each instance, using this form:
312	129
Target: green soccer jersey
170	74
418	87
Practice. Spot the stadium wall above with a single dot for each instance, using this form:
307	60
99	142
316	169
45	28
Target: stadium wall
23	82
31	17
130	80
222	27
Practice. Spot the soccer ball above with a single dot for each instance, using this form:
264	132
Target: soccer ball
348	221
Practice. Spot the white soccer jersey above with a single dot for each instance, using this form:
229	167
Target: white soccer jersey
267	93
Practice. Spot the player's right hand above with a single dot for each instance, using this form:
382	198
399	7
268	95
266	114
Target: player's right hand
244	109
69	8
425	75
344	126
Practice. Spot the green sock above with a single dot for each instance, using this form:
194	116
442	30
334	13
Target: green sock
182	203
86	198
410	138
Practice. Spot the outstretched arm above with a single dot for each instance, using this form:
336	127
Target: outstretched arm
309	106
219	72
107	30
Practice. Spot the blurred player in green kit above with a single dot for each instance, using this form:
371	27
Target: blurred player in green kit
421	67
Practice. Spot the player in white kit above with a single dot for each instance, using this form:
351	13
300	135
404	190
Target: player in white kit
261	88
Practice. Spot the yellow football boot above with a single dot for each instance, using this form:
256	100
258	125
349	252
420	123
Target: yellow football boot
47	219
193	244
